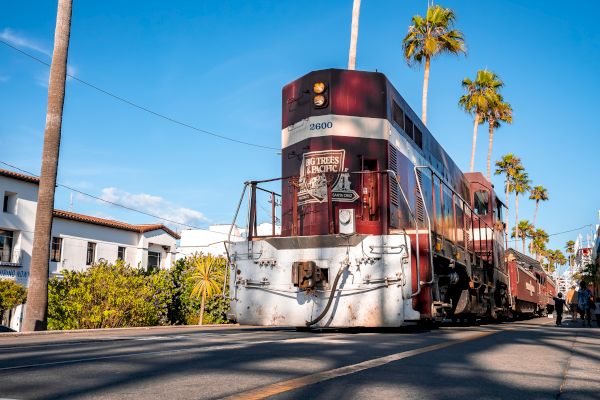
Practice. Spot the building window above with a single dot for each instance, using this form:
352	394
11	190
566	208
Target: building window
121	253
6	242
56	249
91	253
9	204
153	260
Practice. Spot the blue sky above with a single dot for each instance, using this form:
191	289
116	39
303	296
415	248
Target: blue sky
221	65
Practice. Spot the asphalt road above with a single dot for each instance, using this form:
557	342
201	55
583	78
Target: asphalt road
520	360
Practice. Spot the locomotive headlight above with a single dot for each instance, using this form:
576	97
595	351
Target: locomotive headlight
319	87
319	100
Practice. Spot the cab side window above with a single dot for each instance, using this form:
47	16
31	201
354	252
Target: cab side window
481	200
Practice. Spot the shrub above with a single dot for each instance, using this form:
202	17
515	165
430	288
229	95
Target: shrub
12	294
109	296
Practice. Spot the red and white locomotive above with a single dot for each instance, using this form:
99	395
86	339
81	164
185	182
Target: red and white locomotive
379	227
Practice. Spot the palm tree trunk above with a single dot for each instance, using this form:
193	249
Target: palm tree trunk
524	244
537	204
475	126
37	294
425	87
202	307
354	35
507	203
489	156
516	215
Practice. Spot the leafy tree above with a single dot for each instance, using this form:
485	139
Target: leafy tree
206	273
538	193
12	294
554	257
428	37
481	92
496	113
509	165
520	184
523	230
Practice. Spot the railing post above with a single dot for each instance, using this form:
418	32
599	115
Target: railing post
273	218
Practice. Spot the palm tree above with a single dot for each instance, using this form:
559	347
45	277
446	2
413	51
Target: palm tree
497	112
509	165
481	92
570	249
554	257
538	193
523	230
37	295
205	278
538	243
520	185
428	37
354	35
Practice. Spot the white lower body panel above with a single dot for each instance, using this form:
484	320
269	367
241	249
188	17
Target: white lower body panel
373	291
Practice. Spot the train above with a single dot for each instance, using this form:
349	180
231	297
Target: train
376	224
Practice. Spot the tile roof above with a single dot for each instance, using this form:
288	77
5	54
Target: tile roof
87	218
113	224
19	176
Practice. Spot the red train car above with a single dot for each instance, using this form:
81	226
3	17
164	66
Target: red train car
532	289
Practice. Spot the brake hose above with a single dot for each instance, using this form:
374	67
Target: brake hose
333	290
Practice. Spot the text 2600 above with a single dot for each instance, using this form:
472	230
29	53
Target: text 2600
321	125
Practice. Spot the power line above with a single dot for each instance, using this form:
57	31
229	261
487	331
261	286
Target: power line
114	203
140	107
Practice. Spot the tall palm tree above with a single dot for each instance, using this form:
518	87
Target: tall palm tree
520	185
354	35
497	113
524	230
570	250
205	278
37	295
428	37
509	165
554	257
538	193
481	92
539	240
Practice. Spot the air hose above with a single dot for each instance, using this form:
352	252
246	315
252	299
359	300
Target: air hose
331	295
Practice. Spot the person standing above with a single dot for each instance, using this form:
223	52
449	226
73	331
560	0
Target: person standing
559	305
572	302
584	298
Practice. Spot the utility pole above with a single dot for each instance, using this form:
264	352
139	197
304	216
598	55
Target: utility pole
354	35
36	311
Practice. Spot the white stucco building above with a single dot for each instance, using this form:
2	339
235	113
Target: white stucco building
78	240
212	240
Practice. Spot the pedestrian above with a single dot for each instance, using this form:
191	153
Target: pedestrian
559	305
585	300
572	302
597	310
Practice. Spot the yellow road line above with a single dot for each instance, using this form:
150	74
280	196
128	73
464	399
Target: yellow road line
296	383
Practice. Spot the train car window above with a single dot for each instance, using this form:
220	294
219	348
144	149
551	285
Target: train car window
439	215
398	114
408	126
460	222
481	202
449	225
418	137
499	210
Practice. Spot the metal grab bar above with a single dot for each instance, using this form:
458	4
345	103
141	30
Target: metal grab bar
429	282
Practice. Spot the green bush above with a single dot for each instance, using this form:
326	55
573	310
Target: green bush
109	296
12	294
116	295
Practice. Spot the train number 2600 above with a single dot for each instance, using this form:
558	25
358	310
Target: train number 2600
321	125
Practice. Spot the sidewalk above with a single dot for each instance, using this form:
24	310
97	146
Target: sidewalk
582	372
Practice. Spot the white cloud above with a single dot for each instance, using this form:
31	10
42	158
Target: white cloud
155	205
21	41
